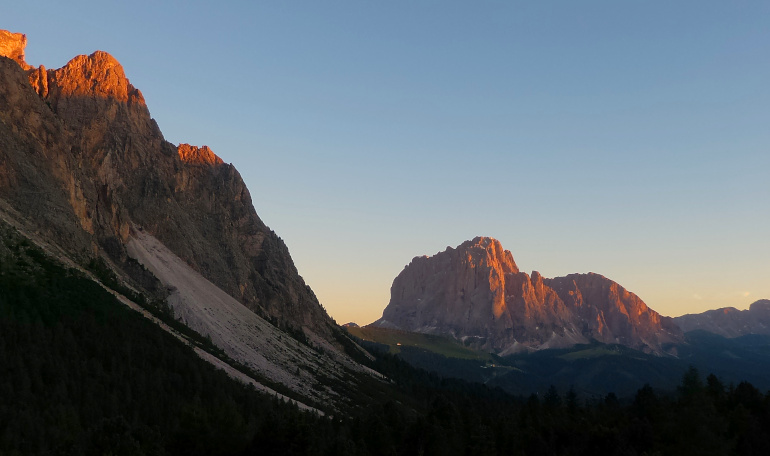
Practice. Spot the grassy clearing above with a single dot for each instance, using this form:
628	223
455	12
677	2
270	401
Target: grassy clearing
593	352
437	344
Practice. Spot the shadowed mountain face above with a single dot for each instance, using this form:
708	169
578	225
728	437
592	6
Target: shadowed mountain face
729	321
476	293
84	165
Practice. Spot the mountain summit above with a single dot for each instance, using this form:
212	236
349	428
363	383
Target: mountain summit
81	150
85	171
12	45
729	321
476	293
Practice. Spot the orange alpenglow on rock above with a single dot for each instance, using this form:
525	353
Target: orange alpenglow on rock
477	294
198	155
83	159
96	75
12	46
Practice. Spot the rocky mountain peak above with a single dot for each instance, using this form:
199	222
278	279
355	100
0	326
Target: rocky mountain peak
12	45
477	293
81	156
98	75
93	97
488	251
763	305
198	155
729	321
453	291
86	170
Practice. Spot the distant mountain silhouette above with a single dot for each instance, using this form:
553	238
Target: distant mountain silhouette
729	321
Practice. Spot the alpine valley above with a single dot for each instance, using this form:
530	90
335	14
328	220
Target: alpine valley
522	332
145	308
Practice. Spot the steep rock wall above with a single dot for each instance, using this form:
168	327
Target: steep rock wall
476	293
83	158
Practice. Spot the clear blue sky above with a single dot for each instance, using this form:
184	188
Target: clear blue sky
627	138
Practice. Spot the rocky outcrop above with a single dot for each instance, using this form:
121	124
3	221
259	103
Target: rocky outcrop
12	45
85	162
198	155
611	314
729	321
455	292
476	293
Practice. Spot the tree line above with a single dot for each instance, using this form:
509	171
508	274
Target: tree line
82	374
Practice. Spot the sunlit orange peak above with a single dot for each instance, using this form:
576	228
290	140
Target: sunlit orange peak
198	155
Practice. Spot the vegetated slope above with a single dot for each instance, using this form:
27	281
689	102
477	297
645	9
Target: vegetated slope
397	341
81	373
744	358
442	355
591	370
598	369
476	293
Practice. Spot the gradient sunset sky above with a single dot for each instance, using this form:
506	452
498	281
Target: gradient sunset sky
626	138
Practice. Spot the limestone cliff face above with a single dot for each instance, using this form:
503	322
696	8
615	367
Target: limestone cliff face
12	45
729	321
476	293
611	314
39	175
425	298
198	155
85	164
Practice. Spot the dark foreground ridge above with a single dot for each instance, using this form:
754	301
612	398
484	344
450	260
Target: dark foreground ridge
82	374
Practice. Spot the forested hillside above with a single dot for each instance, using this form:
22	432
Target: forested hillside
82	374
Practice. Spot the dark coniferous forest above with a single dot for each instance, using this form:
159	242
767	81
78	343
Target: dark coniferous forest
82	374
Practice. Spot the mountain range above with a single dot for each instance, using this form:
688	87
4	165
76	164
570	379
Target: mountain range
145	308
87	176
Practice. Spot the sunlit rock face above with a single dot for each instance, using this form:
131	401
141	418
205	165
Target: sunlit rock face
729	321
84	163
12	45
198	155
476	293
611	314
453	292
